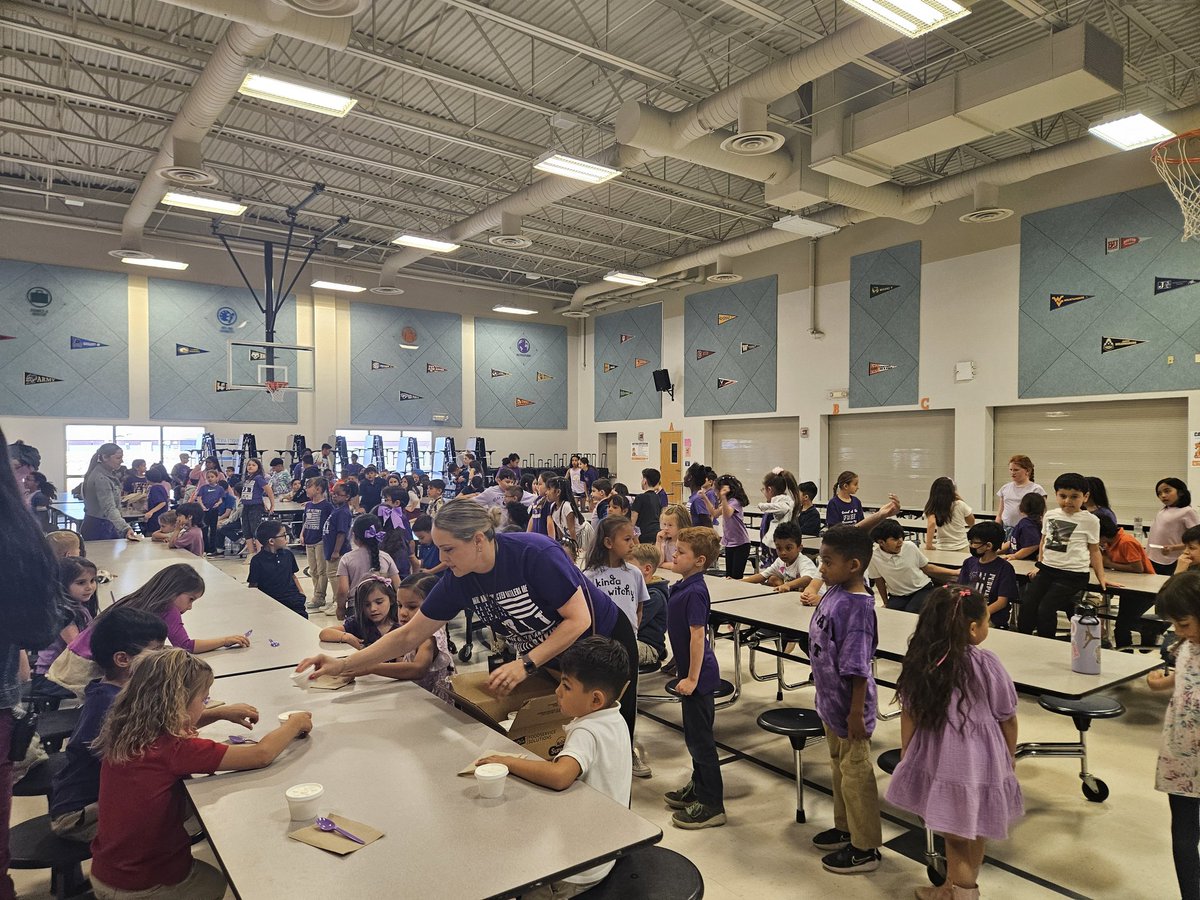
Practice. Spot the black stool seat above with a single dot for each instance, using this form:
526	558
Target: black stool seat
888	760
758	635
652	873
724	689
1095	706
56	725
34	846
648	668
800	725
36	782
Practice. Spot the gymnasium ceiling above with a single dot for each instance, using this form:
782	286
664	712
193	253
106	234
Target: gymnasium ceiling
457	98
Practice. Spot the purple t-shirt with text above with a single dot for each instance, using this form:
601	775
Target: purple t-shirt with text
841	641
840	512
995	579
252	490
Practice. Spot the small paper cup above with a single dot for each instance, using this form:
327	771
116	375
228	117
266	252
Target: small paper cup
304	800
491	777
300	679
283	716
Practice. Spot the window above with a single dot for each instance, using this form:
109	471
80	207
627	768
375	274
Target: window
149	442
395	444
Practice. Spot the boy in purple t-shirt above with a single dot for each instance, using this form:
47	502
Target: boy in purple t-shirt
701	803
842	641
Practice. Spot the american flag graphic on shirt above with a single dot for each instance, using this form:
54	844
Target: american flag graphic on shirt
515	616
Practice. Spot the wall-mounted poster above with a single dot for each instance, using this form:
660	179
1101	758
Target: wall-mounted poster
627	350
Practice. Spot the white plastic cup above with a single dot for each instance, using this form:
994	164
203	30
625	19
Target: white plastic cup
304	800
301	679
491	777
283	716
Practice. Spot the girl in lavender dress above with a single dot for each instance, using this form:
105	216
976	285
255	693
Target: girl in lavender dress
1179	757
958	737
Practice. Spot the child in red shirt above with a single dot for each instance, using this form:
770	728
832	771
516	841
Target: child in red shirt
1123	552
149	745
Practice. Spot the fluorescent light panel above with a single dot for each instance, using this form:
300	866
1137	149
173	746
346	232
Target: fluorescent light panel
336	286
266	87
409	347
1131	132
425	243
803	226
573	167
630	278
204	204
911	18
514	310
155	263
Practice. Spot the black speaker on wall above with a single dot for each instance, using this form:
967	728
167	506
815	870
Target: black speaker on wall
662	382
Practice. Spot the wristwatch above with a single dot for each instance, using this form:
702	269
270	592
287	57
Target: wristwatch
529	664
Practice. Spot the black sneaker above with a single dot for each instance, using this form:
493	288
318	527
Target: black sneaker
684	797
833	839
851	861
697	816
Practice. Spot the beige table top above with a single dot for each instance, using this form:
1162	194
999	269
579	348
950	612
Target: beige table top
227	607
387	754
1037	665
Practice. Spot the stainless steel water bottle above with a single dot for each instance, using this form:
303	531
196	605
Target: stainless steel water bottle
1085	640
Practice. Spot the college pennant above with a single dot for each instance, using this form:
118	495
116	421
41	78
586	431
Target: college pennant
875	368
638	363
405	395
34	378
7	337
608	367
700	354
626	337
1108	344
1162	285
221	386
430	368
258	355
877	289
1058	301
1113	244
622	393
496	373
187	350
376	365
542	376
78	343
521	402
722	318
724	382
746	348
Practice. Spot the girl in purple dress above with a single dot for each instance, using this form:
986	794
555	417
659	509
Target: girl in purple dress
958	737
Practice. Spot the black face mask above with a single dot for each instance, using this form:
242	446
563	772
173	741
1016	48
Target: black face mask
976	551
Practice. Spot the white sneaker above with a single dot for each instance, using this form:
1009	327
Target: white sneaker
329	609
314	604
640	769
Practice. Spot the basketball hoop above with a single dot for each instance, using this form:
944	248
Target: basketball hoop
275	389
1178	163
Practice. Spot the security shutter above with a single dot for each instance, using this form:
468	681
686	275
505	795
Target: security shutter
750	448
892	453
1129	444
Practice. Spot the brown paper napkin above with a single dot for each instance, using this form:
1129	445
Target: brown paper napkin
329	683
334	842
470	769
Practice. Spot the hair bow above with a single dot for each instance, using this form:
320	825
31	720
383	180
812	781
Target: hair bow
377	533
373	577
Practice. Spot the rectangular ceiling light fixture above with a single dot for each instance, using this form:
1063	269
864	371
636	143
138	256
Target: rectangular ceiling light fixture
514	310
155	263
418	242
1131	132
266	87
911	18
213	205
633	279
409	347
336	286
803	226
573	167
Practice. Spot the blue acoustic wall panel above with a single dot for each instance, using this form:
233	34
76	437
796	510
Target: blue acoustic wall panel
885	326
729	349
64	341
391	386
1110	298
628	348
520	375
190	325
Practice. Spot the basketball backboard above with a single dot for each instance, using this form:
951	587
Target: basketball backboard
254	363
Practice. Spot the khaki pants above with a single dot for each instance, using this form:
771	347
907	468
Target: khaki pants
79	825
318	569
855	794
202	883
647	654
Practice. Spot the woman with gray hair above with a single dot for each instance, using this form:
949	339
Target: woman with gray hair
522	584
102	519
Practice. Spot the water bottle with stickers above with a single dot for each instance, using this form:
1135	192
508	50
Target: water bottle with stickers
1085	640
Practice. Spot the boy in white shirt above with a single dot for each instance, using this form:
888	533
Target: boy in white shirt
597	749
900	571
791	570
1070	547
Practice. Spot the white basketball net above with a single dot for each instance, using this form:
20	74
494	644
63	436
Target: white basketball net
275	389
1178	164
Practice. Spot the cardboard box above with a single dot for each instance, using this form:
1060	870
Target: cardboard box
538	725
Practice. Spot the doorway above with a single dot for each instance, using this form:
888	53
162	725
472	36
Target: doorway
607	452
670	463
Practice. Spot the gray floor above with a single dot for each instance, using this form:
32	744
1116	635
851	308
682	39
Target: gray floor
1065	846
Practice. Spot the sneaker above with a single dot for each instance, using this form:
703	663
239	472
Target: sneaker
329	609
833	839
640	769
698	816
682	798
314	604
851	861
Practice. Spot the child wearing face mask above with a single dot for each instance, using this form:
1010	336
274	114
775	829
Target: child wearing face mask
987	574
